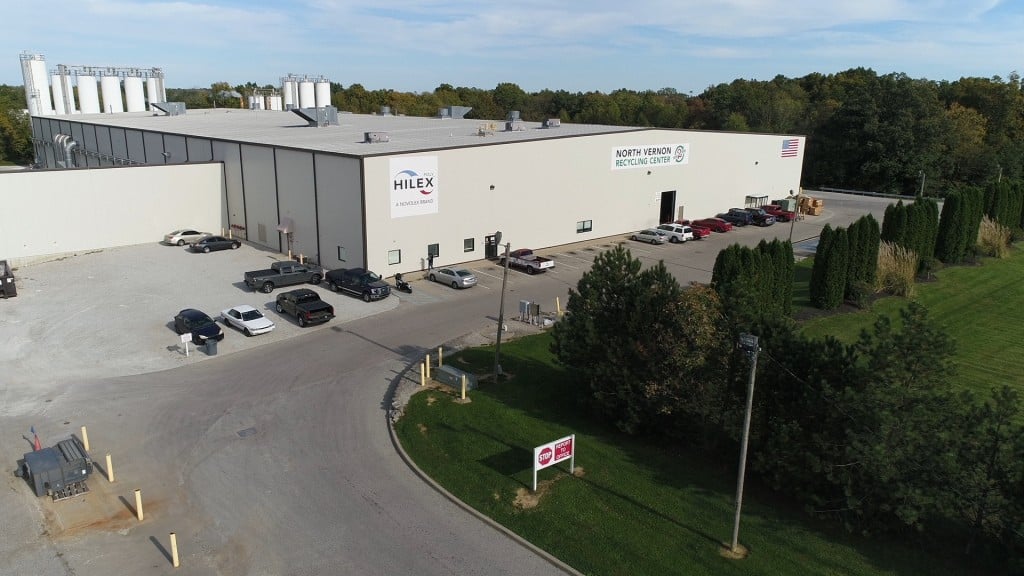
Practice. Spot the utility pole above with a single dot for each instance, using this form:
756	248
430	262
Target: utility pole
748	343
922	184
501	310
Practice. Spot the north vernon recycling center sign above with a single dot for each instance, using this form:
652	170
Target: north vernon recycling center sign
552	453
650	156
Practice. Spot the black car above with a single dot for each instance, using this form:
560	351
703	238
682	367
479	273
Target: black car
737	217
201	326
358	281
211	243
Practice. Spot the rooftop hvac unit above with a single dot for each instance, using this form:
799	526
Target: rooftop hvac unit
326	116
453	112
169	108
375	137
514	126
552	123
513	116
385	110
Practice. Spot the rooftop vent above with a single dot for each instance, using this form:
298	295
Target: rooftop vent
376	137
552	123
326	116
385	110
513	116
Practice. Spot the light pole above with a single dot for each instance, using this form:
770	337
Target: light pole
1000	178
922	183
501	309
748	343
796	212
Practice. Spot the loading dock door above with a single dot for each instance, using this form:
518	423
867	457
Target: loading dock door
668	207
490	247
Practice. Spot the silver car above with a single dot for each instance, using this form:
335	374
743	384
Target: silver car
454	277
183	236
650	235
247	319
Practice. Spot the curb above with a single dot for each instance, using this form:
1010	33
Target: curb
393	412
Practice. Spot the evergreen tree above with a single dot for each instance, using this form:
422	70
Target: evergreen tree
951	243
872	242
818	272
835	270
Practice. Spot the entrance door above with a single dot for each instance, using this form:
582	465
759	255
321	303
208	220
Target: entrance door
490	247
668	207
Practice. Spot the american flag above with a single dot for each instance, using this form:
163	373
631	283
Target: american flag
790	147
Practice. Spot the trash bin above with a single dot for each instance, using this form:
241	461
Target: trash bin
7	286
211	347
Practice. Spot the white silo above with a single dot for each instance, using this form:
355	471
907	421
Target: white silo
37	85
288	89
256	102
161	89
275	103
110	88
323	93
88	97
307	98
151	93
135	100
58	95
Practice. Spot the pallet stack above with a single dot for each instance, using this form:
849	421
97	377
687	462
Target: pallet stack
811	206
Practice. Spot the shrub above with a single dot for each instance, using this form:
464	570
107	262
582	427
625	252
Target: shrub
994	238
897	267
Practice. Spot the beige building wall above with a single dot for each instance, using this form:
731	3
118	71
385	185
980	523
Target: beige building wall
47	213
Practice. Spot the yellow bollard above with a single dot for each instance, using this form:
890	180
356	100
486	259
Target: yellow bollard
138	504
440	356
558	307
463	386
85	439
174	550
423	375
427	362
230	231
110	469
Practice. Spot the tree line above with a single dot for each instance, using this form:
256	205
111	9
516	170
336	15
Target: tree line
885	133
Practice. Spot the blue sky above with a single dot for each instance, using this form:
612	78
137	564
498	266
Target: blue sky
596	45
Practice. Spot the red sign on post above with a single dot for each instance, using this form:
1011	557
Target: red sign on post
552	453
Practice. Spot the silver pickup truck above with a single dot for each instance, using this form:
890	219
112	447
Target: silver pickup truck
283	274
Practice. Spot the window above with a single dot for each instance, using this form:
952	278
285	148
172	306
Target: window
469	244
433	250
342	254
394	256
584	226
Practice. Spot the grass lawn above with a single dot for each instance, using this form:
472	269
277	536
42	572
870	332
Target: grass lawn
633	508
981	307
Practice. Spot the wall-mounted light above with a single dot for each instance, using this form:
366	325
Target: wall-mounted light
755	162
648	172
492	186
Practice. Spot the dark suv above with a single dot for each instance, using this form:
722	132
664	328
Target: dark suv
359	282
737	217
761	218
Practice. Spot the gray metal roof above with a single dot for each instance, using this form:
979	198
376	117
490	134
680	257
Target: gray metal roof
406	133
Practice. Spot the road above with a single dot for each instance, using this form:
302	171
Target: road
277	459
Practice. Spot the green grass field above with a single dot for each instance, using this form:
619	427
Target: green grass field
981	307
634	508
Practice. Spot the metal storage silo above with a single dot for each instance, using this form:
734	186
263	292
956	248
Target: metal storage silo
110	88
88	97
323	93
307	98
58	95
256	102
275	102
151	93
135	100
288	89
37	84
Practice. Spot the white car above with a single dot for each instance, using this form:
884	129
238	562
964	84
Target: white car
183	236
650	235
247	319
677	232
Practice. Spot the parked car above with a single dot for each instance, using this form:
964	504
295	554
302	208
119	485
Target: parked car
358	281
454	277
525	258
737	217
699	232
212	243
305	305
183	236
715	224
650	235
283	274
201	326
761	217
247	319
677	233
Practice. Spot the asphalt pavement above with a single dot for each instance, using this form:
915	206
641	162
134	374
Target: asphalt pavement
275	455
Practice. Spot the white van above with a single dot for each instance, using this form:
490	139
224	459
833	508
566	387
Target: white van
677	232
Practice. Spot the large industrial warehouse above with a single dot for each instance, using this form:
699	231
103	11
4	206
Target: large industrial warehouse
384	191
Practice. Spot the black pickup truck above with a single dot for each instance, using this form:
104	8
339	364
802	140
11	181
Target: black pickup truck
305	305
358	281
283	274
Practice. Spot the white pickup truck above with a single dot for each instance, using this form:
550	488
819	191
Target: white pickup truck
526	259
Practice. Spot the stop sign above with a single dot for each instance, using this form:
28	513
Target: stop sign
545	456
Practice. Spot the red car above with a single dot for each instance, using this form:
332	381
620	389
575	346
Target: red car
716	224
780	214
699	232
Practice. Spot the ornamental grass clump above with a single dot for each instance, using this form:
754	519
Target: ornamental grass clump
897	268
994	238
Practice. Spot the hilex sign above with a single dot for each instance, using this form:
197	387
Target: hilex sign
552	453
650	156
413	186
